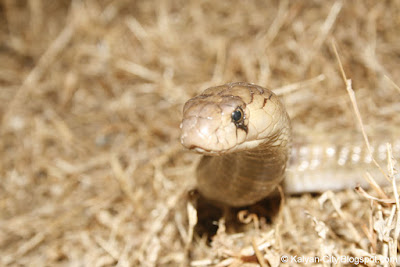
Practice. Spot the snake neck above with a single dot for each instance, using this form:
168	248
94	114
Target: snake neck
243	178
266	163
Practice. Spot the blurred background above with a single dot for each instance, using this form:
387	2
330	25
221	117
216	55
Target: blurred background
92	171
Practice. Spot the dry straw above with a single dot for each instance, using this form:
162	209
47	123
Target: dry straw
92	171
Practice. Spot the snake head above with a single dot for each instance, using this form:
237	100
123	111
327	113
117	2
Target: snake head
230	118
208	126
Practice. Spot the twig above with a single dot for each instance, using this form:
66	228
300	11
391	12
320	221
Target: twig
350	91
393	83
295	86
41	67
259	256
366	195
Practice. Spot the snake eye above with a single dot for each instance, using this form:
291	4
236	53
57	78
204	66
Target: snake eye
238	115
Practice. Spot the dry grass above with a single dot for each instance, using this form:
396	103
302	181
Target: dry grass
92	171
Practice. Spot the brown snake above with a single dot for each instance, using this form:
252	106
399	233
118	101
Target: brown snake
245	134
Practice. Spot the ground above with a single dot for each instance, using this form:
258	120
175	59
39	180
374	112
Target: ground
92	170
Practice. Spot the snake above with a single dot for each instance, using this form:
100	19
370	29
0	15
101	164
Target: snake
244	133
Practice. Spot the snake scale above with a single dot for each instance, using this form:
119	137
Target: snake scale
244	133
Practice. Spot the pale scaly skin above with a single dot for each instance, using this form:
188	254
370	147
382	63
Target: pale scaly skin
244	162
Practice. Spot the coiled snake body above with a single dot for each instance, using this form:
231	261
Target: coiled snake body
245	134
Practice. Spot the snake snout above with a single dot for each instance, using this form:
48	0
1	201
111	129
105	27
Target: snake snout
198	133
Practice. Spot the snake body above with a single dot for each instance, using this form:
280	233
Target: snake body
244	132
